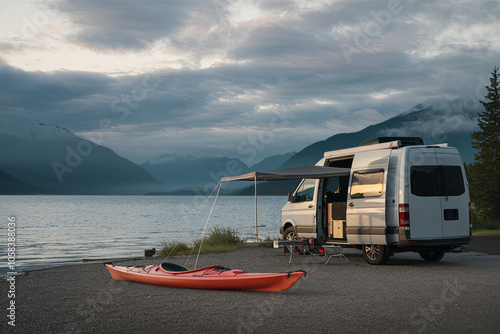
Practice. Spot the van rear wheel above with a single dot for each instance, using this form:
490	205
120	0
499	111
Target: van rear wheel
432	255
375	254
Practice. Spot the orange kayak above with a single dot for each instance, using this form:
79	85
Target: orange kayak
214	277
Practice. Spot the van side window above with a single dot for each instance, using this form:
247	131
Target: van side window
305	192
427	181
367	183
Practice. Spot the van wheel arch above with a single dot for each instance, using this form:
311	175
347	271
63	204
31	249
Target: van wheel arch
375	254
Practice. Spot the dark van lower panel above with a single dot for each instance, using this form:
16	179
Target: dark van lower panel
406	244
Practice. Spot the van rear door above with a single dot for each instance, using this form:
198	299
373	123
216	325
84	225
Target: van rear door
438	200
423	196
455	203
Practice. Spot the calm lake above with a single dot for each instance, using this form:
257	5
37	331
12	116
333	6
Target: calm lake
55	230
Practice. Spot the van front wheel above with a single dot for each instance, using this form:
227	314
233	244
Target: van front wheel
432	255
375	254
289	234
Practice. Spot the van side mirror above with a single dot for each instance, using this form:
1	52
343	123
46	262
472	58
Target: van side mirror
291	197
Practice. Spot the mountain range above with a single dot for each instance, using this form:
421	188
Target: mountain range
185	172
49	159
437	121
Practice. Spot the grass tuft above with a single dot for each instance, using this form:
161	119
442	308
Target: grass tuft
174	248
481	233
219	240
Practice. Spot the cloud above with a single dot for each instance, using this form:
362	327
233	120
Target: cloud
209	76
437	114
125	24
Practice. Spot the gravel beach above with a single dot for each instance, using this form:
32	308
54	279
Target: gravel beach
459	294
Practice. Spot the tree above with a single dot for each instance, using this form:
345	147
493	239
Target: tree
485	173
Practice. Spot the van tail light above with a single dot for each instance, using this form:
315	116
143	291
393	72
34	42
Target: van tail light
404	215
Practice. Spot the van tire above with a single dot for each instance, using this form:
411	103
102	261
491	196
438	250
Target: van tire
290	234
432	255
375	254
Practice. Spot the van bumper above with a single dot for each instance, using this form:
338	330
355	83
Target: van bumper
405	243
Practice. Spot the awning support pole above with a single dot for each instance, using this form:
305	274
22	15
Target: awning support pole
256	233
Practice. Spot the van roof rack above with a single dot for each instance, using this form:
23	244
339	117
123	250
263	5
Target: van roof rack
352	150
405	141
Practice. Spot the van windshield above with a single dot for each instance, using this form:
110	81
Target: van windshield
429	181
305	192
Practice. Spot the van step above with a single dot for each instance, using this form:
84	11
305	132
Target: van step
341	243
293	242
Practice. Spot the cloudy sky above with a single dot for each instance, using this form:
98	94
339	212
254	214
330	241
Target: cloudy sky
228	77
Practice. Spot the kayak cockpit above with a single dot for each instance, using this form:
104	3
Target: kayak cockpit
176	269
173	267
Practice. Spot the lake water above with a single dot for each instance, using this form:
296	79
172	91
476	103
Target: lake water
54	230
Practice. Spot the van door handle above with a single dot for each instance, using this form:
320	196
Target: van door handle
310	206
351	204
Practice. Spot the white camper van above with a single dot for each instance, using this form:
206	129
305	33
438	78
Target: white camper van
395	194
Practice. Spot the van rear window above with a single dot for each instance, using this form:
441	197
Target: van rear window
427	181
454	180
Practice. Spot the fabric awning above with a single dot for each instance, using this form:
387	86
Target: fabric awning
304	172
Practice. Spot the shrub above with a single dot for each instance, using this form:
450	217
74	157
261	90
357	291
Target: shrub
219	240
222	236
174	248
482	223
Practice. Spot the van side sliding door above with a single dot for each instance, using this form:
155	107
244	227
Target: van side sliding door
366	199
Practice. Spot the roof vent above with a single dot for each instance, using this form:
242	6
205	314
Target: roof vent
405	141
